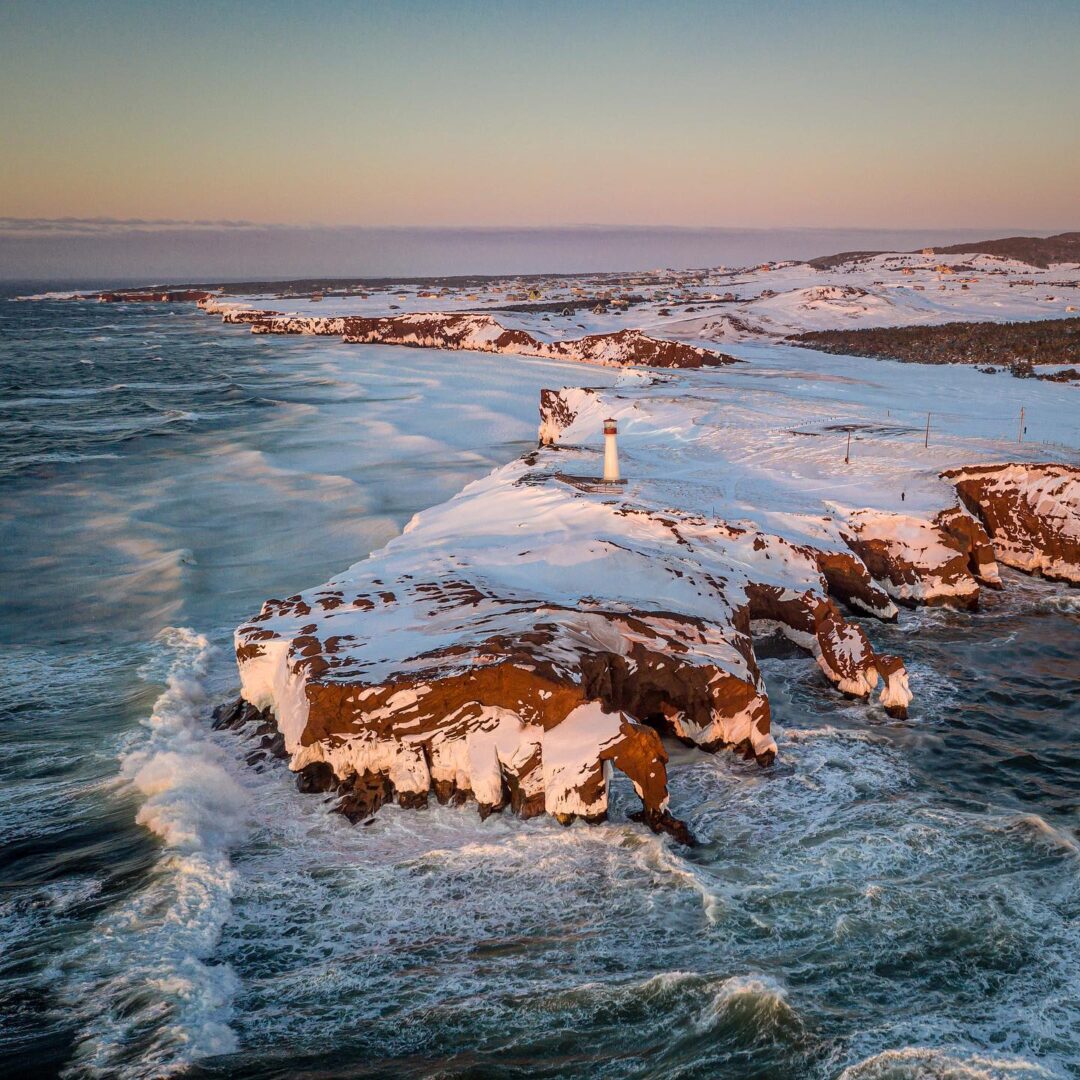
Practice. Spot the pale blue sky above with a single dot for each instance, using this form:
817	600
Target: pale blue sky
916	114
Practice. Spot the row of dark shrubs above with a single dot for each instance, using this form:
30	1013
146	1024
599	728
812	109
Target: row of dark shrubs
1013	345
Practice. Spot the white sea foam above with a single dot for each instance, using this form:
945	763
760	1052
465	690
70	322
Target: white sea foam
1065	603
920	1063
148	1000
655	856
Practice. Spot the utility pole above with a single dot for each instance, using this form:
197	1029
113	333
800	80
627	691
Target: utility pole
847	455
926	440
1020	432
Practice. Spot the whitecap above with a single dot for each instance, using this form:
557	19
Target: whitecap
147	999
753	1005
1064	603
922	1063
1040	830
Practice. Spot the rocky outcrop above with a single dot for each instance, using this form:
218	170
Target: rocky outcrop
516	670
518	706
915	561
238	315
1031	513
634	347
528	641
559	409
842	649
968	532
479	333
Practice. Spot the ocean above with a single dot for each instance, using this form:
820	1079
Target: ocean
893	899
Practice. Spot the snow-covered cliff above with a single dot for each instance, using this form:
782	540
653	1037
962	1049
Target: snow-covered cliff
519	642
478	333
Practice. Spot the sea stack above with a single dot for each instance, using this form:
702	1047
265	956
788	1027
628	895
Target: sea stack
611	452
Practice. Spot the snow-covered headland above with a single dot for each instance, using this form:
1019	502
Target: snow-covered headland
476	332
518	643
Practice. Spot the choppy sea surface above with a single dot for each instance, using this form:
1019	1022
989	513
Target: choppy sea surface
891	900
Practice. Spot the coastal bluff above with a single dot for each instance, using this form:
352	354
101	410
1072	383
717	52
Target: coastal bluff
518	645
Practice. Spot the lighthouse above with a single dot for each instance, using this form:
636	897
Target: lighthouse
611	452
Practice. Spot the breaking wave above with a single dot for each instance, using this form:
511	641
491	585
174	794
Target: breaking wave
918	1063
754	1007
148	1000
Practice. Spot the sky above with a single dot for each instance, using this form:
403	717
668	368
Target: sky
759	114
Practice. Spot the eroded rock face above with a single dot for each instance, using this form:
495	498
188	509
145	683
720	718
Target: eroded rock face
915	560
842	649
558	409
519	707
1031	513
968	532
478	333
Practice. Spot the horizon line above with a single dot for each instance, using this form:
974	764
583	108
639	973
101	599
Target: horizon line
13	223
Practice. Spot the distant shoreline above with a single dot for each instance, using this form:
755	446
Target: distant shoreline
110	252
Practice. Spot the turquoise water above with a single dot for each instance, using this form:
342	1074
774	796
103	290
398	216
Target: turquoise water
897	899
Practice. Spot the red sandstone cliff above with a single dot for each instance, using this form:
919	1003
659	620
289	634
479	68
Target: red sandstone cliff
479	333
1031	513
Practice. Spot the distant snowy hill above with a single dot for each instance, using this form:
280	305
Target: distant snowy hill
1041	251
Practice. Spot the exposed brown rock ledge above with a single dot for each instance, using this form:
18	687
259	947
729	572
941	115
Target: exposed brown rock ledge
478	333
1031	512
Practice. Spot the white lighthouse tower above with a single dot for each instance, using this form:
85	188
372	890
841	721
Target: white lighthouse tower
611	452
